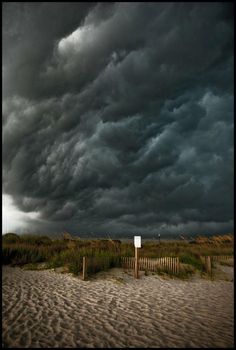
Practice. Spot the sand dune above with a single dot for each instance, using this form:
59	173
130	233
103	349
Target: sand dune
48	309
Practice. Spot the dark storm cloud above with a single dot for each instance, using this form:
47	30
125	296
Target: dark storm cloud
119	117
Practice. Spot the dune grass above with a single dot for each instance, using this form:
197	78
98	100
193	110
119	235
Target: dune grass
104	254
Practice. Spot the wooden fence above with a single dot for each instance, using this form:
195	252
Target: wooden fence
208	260
169	264
222	257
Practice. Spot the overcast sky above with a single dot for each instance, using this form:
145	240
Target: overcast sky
118	118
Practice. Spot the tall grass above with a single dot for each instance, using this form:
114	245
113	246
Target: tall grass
192	259
102	254
102	261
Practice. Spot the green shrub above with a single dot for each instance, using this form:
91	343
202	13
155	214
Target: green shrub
76	266
191	259
102	261
10	238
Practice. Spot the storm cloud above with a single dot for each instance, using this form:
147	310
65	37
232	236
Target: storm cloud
118	117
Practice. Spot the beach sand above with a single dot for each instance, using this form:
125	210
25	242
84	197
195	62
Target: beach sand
49	309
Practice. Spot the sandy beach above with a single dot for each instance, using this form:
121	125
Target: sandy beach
49	309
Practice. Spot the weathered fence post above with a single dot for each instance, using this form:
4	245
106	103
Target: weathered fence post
136	267
84	268
178	265
137	245
208	264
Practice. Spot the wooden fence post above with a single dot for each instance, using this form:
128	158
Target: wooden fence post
208	264
178	265
84	268
136	267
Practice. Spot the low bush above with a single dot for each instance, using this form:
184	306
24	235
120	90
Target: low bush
193	260
10	238
102	261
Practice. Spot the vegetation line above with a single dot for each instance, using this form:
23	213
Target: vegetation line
36	252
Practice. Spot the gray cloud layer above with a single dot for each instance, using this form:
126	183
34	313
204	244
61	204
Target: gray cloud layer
119	117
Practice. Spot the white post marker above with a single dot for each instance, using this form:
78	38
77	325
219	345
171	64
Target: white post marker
137	245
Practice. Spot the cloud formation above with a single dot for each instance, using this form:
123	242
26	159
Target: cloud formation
119	117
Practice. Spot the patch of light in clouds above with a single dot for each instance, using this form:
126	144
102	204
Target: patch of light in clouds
75	41
13	218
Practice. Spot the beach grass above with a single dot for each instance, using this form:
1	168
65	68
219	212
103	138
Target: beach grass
31	250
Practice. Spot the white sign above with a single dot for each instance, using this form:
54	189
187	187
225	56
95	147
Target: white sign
137	241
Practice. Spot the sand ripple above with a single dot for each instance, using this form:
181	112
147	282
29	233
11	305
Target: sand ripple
47	309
